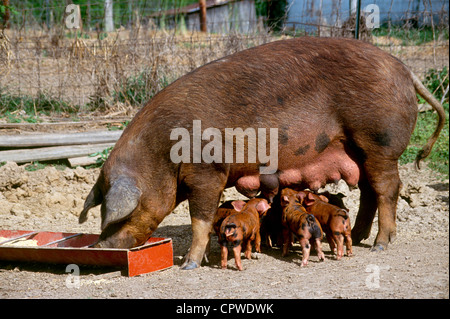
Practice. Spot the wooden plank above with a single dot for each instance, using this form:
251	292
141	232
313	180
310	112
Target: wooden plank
83	161
36	140
65	123
51	153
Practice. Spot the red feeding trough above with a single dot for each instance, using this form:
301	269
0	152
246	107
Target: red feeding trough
74	248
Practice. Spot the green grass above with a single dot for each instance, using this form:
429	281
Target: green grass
426	124
438	159
24	108
139	89
412	36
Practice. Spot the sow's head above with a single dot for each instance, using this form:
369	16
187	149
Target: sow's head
120	207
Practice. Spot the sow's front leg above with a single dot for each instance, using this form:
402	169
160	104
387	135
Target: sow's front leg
204	184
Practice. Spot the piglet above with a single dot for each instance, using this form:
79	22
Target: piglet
296	221
334	220
224	210
242	228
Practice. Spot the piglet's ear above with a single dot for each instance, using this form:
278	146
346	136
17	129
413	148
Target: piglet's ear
309	200
301	196
284	200
262	206
238	205
323	198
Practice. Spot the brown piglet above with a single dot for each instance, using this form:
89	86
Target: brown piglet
225	209
241	229
334	220
296	221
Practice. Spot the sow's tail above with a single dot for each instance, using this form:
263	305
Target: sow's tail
423	92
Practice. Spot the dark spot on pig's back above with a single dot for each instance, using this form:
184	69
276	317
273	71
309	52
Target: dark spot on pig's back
322	142
382	138
302	150
283	136
280	100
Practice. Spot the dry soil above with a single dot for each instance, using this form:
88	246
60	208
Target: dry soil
415	266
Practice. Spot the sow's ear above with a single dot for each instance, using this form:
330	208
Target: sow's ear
94	198
120	201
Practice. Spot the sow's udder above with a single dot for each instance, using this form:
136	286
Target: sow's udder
329	167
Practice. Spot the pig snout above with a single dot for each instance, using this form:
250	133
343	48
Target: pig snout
117	236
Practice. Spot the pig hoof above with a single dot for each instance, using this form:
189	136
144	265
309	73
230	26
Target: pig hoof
188	265
378	247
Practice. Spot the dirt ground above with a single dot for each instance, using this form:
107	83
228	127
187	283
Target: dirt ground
415	266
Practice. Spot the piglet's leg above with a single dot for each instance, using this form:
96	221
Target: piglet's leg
258	241
286	241
223	256
348	244
248	249
318	246
237	256
339	239
331	242
306	249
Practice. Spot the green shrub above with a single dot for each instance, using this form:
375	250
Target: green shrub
42	104
137	90
437	81
438	160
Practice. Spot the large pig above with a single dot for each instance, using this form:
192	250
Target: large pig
343	109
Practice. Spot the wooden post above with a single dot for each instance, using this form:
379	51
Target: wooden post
109	20
202	5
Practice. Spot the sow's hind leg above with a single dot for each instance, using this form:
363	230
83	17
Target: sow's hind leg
204	184
379	191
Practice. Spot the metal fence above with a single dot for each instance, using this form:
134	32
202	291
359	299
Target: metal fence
45	64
